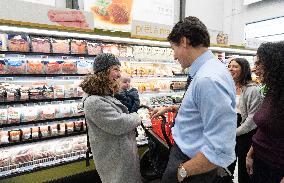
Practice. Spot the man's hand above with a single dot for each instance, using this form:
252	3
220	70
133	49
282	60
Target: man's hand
156	112
249	161
180	179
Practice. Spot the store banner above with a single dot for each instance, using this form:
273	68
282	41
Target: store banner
253	43
114	15
22	11
152	18
45	2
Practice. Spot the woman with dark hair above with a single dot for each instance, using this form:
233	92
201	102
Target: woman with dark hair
248	100
265	159
110	126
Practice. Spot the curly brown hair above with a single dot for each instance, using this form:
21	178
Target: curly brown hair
99	84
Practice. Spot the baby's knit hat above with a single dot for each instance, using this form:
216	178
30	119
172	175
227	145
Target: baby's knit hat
104	61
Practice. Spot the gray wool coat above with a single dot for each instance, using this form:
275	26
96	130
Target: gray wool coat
250	100
112	139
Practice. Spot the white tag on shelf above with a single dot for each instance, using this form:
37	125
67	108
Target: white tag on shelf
64	57
2	55
9	79
21	56
44	57
49	78
81	58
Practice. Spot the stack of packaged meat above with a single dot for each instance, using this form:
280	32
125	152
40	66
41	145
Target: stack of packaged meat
3	42
40	44
60	45
78	46
18	43
94	48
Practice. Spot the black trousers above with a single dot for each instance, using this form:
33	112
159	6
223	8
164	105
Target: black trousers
175	159
264	173
242	147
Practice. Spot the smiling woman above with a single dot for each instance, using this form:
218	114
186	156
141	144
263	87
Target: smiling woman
111	129
248	100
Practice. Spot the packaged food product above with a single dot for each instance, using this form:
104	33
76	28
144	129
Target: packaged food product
40	44
48	92
52	67
77	109
14	115
15	66
60	45
4	137
64	110
58	91
70	91
27	132
5	158
78	46
69	67
48	112
54	129
84	66
24	93
35	67
94	48
15	135
12	92
43	151
3	116
69	126
3	42
62	128
18	43
44	131
35	132
29	113
78	125
36	91
2	66
24	155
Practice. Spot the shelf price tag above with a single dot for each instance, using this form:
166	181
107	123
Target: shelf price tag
49	78
21	56
81	58
64	57
9	79
2	55
44	57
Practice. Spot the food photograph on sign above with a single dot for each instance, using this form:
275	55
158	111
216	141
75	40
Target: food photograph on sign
110	14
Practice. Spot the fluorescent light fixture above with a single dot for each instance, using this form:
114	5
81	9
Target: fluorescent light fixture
46	32
230	50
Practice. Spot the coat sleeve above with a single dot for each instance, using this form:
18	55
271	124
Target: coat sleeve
106	117
252	100
136	101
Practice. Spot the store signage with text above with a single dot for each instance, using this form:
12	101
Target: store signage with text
42	14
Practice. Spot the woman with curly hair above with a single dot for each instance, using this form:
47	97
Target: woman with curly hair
248	100
265	159
110	126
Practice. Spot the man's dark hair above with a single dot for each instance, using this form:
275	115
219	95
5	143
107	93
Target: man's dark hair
245	76
193	29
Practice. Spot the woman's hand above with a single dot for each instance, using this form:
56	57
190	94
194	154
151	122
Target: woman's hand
156	112
249	161
282	181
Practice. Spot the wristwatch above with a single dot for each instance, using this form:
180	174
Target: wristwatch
181	171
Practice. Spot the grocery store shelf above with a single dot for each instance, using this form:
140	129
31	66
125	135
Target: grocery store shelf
39	75
41	121
42	139
48	54
37	100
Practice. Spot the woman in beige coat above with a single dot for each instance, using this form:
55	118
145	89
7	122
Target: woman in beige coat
110	126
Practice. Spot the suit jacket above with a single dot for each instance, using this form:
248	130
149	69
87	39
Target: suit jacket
112	139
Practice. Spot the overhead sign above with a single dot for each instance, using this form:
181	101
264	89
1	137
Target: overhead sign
115	15
45	2
247	2
152	18
43	14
